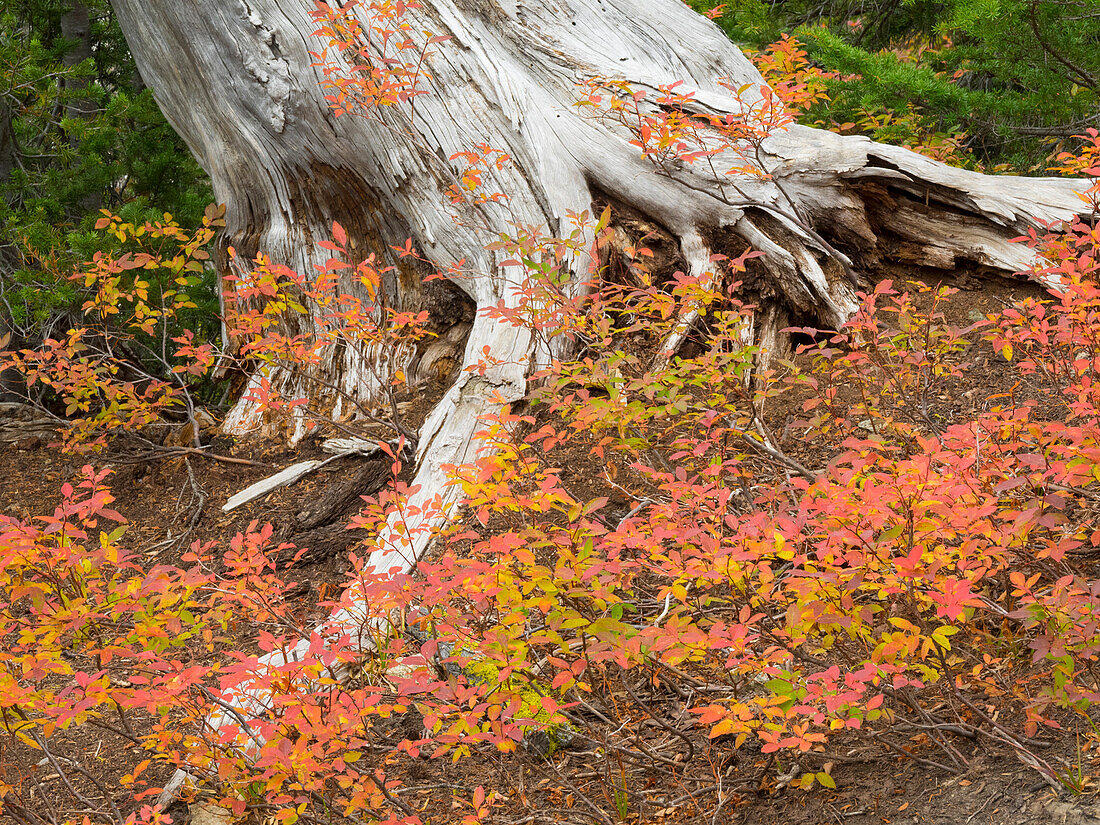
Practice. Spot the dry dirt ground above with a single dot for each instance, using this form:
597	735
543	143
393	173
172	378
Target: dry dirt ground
160	499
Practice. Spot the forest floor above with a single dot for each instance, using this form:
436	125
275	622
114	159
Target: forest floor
161	497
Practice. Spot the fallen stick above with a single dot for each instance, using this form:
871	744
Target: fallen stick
337	447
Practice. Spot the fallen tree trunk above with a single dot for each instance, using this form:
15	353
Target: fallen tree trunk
236	80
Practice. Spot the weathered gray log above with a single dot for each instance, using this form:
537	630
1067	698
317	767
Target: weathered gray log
235	79
22	422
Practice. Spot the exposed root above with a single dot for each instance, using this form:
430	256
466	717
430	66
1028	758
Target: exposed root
771	337
698	258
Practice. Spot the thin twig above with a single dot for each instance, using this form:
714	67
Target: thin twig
203	452
393	800
928	763
603	817
781	457
674	731
77	795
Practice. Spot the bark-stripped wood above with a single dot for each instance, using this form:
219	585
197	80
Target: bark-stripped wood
281	479
337	499
24	424
318	544
234	78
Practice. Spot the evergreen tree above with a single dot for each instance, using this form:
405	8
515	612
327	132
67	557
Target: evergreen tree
1017	76
79	132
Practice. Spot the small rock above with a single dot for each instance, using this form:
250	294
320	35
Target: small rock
546	743
205	813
